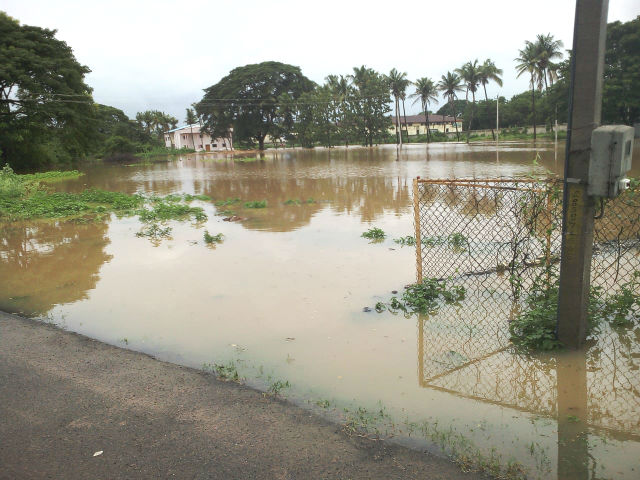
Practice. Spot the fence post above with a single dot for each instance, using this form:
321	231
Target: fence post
578	210
416	220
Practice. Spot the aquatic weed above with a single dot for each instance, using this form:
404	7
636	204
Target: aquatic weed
256	204
210	239
424	297
408	241
374	233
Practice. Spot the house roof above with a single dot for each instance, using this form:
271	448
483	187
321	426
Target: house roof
195	126
433	118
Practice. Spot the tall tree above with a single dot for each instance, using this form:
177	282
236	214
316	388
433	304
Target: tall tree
341	89
191	119
489	72
426	92
46	111
369	105
449	85
527	62
621	91
397	85
247	100
548	49
470	75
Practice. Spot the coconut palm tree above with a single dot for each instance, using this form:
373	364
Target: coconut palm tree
527	62
548	49
470	75
489	72
449	84
397	85
426	92
191	119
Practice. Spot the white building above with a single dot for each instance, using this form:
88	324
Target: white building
189	136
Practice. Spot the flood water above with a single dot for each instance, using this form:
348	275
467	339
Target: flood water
284	296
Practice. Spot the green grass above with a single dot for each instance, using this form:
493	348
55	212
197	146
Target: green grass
276	386
23	198
49	177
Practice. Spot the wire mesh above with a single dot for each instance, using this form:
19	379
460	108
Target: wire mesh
494	238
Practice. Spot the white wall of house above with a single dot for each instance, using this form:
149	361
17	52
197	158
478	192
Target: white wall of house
190	137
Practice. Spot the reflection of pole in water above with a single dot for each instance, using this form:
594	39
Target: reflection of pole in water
573	447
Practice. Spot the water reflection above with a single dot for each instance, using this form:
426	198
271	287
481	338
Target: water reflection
464	350
43	264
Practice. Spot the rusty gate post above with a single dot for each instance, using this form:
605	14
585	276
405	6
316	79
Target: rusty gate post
585	106
416	219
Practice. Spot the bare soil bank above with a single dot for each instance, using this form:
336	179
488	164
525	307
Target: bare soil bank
64	397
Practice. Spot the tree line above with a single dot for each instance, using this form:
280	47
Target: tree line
48	116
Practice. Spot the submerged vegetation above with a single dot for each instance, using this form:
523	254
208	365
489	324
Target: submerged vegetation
424	297
256	204
22	197
374	233
154	232
212	239
534	329
408	241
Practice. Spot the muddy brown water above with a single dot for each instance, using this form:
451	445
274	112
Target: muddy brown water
283	297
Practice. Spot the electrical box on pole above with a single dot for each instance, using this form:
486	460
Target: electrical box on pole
610	160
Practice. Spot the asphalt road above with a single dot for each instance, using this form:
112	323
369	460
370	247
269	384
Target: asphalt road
64	397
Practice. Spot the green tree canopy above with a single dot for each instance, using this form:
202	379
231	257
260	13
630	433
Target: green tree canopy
621	93
247	100
46	109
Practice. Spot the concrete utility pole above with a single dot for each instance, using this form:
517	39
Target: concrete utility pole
590	30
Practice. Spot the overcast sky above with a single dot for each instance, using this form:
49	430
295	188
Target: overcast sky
161	54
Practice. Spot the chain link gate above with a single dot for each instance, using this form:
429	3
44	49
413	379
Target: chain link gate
494	237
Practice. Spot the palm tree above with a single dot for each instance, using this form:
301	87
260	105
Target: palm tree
191	119
397	85
489	72
425	92
548	49
470	75
528	63
449	84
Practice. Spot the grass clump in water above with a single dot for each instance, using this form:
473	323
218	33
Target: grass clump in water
424	297
256	204
374	233
212	239
189	197
226	373
407	241
154	232
227	202
163	210
276	386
